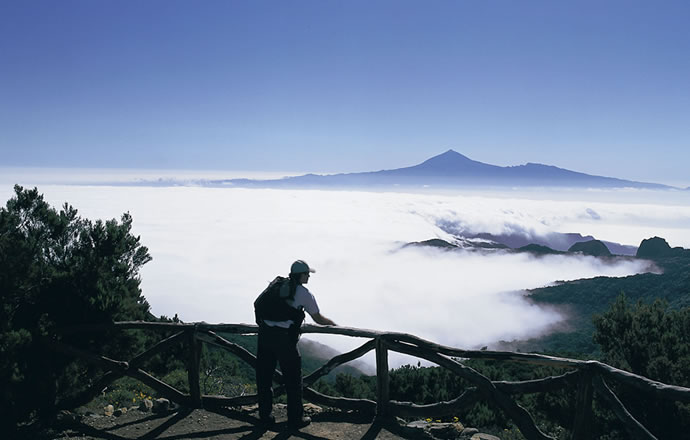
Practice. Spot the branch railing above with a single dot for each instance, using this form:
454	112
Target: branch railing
587	376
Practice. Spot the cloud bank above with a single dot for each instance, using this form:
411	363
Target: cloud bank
215	249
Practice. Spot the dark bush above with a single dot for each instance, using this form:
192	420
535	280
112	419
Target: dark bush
59	270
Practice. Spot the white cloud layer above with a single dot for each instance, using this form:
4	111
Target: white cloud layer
215	249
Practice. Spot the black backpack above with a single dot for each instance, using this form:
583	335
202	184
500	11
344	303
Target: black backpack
271	306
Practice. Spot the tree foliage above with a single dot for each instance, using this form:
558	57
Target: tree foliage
647	339
58	269
651	340
581	300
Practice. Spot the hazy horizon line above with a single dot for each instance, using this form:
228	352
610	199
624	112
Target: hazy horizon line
220	173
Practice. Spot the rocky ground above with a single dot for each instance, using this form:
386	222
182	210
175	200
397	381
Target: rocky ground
242	423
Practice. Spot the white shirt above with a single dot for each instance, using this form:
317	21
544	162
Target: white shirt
303	298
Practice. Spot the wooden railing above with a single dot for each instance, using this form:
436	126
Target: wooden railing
587	376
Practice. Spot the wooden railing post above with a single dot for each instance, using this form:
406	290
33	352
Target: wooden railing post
193	369
382	382
582	426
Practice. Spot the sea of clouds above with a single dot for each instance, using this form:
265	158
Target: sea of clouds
215	249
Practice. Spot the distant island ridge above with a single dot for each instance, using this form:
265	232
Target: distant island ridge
449	169
586	245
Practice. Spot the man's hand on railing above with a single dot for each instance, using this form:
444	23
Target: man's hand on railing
320	319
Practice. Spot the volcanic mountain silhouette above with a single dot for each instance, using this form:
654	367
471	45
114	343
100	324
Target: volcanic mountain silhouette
452	169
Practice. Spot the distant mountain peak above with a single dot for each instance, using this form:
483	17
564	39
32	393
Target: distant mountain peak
450	151
450	155
450	160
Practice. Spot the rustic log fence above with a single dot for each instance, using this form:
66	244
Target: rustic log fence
587	376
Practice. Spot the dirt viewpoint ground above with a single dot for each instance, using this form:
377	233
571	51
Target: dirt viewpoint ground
228	424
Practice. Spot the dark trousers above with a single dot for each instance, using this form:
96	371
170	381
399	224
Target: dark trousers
279	345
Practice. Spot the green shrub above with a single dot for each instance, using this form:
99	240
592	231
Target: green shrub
59	270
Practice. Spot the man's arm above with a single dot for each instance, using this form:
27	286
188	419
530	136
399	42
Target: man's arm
320	319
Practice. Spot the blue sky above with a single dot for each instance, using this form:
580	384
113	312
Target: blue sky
331	86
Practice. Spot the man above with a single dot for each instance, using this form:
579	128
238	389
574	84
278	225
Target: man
278	343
